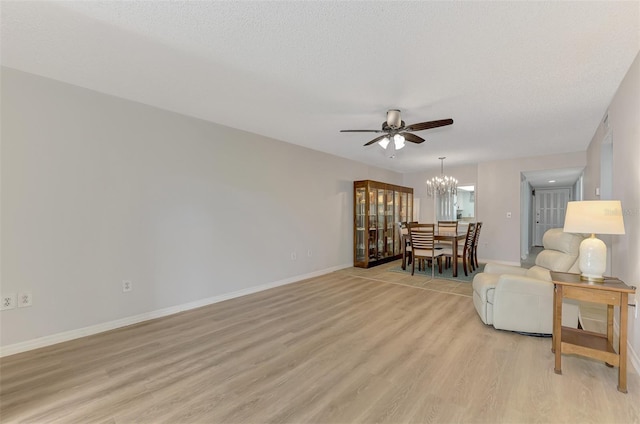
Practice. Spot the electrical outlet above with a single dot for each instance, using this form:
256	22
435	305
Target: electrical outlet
25	299
127	286
8	301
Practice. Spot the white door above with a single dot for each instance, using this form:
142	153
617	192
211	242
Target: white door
551	205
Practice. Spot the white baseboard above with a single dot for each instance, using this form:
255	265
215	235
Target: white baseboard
123	322
633	358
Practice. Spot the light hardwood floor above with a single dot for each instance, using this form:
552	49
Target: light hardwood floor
351	346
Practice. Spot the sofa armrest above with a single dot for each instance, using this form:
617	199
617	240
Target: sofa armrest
493	268
526	304
521	284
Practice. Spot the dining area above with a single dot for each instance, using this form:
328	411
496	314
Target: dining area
444	243
385	228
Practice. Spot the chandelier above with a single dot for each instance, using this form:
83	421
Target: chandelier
443	184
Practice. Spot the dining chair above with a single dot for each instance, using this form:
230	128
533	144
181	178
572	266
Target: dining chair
462	228
474	252
406	246
422	246
467	250
446	227
404	236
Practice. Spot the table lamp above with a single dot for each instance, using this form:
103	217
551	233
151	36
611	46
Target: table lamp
593	217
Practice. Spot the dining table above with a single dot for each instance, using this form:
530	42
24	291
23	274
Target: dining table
450	236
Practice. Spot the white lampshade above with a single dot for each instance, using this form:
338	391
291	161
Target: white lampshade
384	142
594	217
398	140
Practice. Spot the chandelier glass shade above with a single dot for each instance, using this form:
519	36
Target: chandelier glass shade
442	184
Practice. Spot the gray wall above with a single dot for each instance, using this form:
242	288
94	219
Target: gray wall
97	189
624	124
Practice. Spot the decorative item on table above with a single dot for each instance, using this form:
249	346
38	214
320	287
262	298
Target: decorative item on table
593	217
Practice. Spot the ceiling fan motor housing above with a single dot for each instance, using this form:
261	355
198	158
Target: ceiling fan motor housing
393	119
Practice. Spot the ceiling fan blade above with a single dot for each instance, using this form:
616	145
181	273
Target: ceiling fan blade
375	140
412	137
373	131
428	125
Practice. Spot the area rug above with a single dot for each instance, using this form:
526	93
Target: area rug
447	274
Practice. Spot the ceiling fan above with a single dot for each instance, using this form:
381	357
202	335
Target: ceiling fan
394	129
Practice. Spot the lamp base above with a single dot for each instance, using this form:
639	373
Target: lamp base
592	279
593	259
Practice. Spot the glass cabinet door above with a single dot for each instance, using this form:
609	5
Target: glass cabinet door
381	224
361	224
372	236
403	207
397	219
388	223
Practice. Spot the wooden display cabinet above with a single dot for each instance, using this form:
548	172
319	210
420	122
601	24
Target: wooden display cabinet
378	208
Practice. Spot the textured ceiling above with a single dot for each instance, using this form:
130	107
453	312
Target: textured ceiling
518	78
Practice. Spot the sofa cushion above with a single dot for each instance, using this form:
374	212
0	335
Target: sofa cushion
561	250
557	239
539	273
555	261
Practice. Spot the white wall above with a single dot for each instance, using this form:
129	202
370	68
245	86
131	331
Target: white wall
624	111
97	189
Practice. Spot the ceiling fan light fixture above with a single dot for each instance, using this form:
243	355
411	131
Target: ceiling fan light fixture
398	140
393	118
384	142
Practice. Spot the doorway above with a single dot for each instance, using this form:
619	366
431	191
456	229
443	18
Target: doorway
533	185
550	208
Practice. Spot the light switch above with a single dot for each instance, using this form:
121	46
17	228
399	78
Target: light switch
508	214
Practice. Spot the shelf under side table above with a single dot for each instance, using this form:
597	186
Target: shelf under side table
587	343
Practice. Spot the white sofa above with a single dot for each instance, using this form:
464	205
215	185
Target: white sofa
520	299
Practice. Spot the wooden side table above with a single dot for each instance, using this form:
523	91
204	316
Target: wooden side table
612	292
